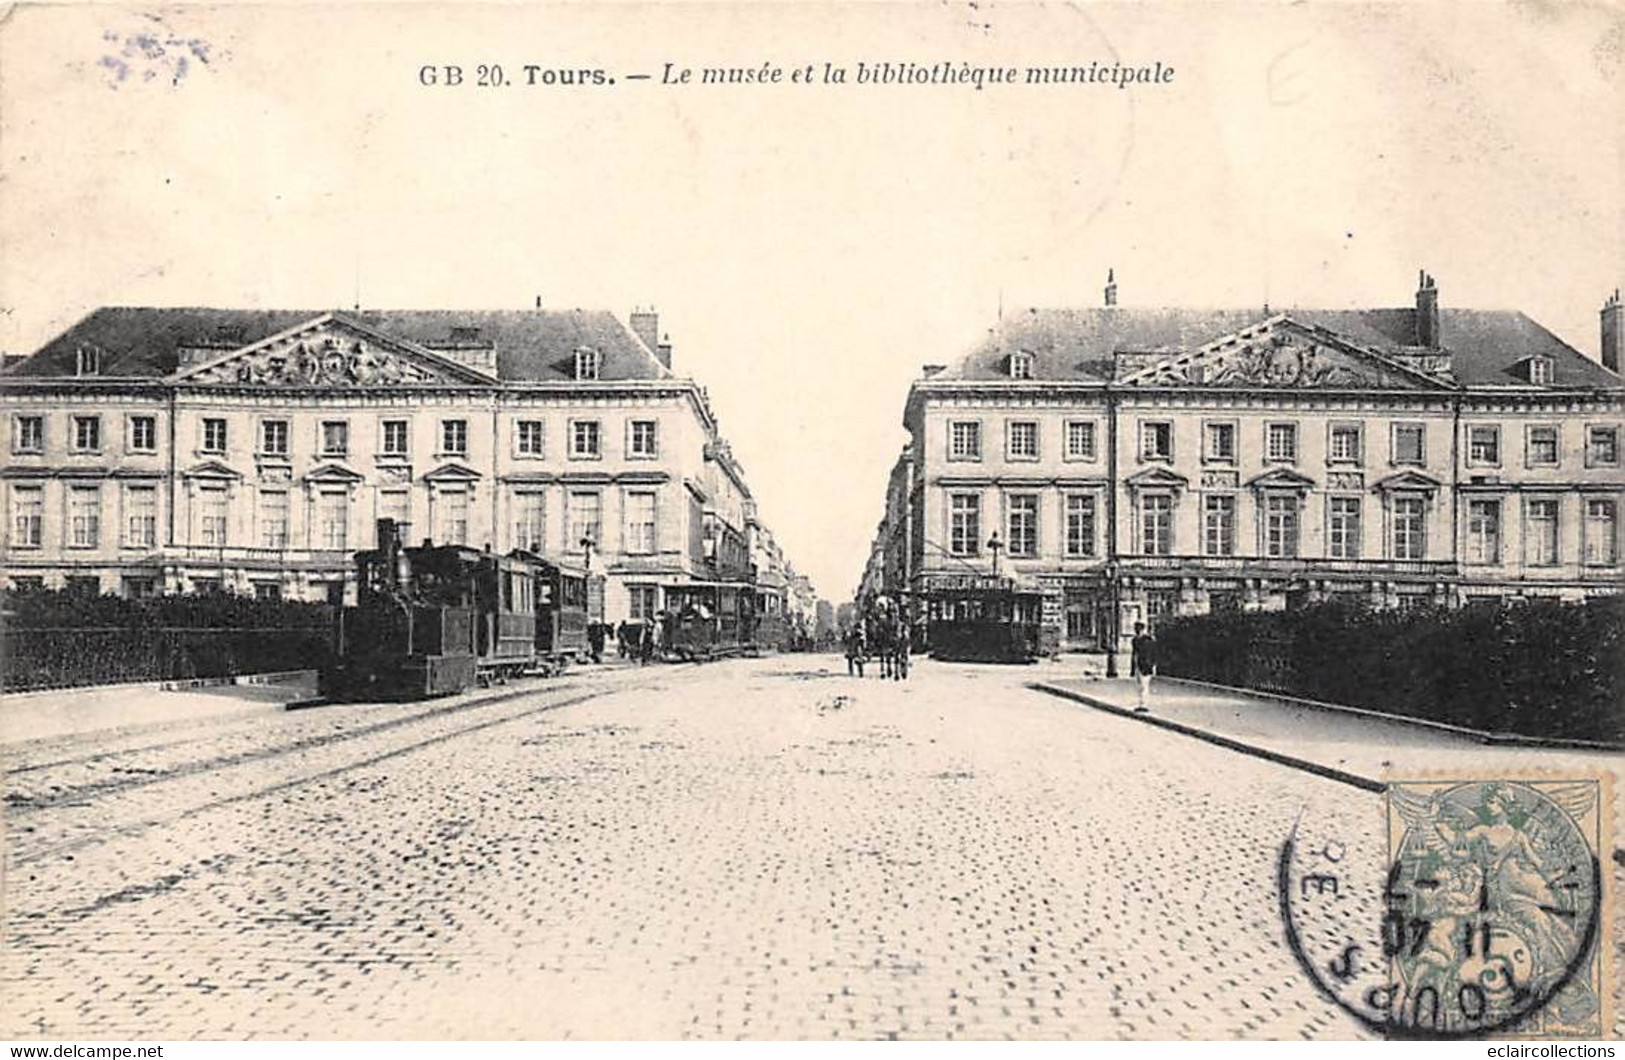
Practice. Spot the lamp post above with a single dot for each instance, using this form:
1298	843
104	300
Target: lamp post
994	545
1113	607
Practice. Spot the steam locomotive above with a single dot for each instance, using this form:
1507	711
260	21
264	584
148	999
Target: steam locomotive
437	619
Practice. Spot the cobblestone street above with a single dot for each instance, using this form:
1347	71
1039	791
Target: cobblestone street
746	849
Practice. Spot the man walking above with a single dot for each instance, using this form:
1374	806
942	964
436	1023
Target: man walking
1143	663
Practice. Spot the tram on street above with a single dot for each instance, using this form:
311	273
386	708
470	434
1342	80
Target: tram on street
984	620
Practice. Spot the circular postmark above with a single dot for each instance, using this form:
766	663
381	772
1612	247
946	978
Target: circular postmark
1477	913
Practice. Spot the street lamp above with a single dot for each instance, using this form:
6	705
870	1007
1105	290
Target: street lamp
1113	607
994	545
586	549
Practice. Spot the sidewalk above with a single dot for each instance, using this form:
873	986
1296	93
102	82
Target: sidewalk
1356	749
77	711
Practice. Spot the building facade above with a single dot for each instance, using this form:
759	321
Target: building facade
181	450
1139	463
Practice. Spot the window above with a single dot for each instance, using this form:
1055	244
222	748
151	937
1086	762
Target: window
1409	443
212	515
1281	525
83	584
1157	524
1343	444
1484	532
529	520
964	440
1080	440
1021	365
1543	447
267	590
1080	525
273	437
1160	604
396	505
587	363
27	583
1540	532
1343	527
139	587
88	361
1281	442
1220	440
273	519
1022	531
1602	446
143	434
1540	370
585	510
642	602
333	519
335	438
214	435
528	438
141	516
965	524
585	443
1021	440
1157	440
1410	529
641	441
395	438
1219	525
1602	533
640	521
454	437
27	516
87	434
1484	445
28	434
84	517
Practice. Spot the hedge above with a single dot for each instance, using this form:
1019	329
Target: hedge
1540	668
66	639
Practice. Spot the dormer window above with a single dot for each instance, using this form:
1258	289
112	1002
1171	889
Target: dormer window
1021	365
89	361
587	363
1540	370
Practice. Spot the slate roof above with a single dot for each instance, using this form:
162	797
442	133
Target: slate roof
1081	345
531	345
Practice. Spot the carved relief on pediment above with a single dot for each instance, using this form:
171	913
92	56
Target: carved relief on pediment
1276	358
324	357
394	475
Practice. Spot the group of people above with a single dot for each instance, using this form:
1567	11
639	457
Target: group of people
640	640
880	630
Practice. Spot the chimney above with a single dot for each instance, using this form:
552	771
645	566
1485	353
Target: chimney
1610	332
1427	311
929	370
538	301
663	352
646	326
1111	289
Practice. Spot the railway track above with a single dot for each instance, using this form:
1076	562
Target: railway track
56	808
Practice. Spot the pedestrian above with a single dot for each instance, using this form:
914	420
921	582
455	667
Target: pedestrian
595	640
1143	663
854	650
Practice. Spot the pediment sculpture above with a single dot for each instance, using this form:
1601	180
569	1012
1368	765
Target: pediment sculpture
325	359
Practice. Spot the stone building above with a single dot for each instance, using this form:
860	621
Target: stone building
177	450
1136	463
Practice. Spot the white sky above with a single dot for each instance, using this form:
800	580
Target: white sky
810	247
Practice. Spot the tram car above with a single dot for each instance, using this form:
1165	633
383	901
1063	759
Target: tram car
707	620
437	619
985	624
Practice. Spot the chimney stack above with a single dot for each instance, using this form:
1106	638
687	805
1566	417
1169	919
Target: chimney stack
538	301
1610	332
663	352
1427	311
646	326
1111	288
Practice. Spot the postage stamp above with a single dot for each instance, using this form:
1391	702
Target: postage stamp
1490	911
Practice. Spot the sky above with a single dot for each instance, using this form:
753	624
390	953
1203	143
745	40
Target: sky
810	246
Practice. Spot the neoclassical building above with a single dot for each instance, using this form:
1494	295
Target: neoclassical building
174	450
1136	463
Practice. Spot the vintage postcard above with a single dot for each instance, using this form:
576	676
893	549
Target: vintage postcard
811	521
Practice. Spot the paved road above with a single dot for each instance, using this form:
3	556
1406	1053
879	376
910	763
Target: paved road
746	849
